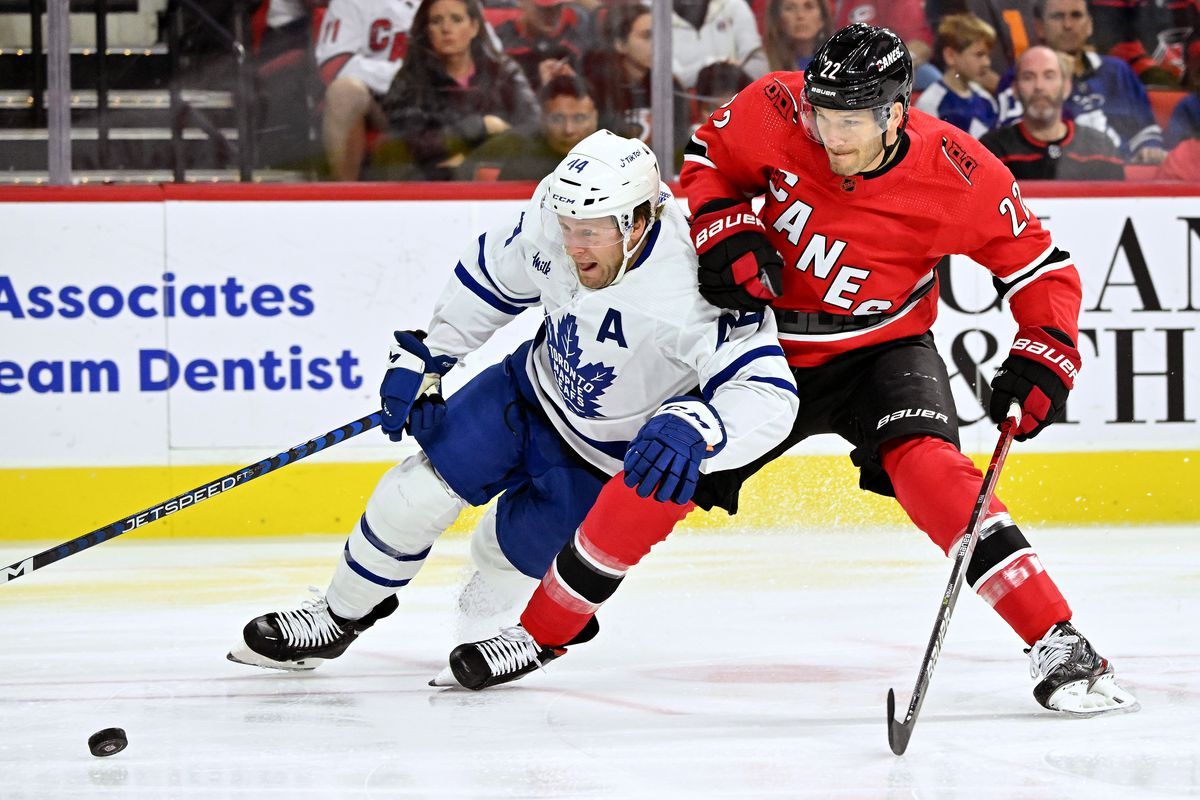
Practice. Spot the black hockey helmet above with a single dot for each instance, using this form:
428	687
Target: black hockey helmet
860	67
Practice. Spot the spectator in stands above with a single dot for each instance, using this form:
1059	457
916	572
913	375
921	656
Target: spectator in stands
715	86
568	116
453	92
547	40
1044	145
704	32
959	98
1105	94
1013	21
619	76
359	50
794	30
1185	119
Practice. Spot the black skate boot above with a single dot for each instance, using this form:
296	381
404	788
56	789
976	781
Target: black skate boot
1075	679
506	657
304	638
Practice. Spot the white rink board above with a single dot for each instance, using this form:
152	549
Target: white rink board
349	272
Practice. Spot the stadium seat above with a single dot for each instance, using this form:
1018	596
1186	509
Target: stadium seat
1163	102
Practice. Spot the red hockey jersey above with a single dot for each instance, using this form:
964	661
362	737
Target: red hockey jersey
869	247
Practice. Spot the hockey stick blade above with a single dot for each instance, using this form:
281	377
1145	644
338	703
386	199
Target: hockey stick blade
900	732
189	498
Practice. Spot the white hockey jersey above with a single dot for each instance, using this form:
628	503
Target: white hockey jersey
606	359
374	33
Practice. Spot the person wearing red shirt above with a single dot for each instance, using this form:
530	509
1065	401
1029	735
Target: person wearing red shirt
863	197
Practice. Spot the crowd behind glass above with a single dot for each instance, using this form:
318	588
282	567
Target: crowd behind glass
437	90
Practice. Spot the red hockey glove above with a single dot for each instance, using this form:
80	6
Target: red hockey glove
739	268
1039	373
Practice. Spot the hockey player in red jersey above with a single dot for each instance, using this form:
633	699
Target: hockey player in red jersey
863	197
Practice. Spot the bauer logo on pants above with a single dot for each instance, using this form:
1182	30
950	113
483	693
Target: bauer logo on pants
912	412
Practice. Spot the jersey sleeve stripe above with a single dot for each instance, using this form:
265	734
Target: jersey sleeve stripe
483	268
482	293
699	160
780	382
728	372
1147	135
1053	260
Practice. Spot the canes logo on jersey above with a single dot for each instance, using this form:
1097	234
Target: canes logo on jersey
821	254
580	386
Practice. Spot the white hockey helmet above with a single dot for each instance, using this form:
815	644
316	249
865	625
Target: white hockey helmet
607	175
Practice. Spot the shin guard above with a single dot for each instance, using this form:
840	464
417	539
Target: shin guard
617	533
937	486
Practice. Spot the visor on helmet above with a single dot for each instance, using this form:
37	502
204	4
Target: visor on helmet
569	233
835	126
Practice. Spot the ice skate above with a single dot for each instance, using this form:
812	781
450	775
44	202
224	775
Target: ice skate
1075	679
503	658
304	638
500	659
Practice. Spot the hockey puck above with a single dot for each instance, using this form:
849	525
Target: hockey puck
107	742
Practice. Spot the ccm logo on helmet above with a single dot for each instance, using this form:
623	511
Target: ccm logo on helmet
1047	353
911	412
728	221
889	59
558	198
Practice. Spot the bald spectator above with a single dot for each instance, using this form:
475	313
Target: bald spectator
1105	94
1044	145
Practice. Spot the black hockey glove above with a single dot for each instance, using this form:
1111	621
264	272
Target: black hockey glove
1039	373
739	269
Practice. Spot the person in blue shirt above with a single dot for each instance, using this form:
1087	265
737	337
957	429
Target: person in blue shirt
959	98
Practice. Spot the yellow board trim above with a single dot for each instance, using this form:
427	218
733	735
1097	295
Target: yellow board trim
1104	488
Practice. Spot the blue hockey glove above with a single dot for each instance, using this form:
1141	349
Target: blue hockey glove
667	451
412	372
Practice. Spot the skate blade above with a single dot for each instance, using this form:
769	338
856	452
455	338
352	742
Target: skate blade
1091	699
244	655
445	680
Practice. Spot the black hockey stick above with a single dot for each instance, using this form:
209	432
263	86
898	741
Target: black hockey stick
189	498
900	732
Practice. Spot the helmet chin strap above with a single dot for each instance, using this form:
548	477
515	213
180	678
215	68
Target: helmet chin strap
627	252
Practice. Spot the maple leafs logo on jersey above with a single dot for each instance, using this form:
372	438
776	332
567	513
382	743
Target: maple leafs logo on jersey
581	386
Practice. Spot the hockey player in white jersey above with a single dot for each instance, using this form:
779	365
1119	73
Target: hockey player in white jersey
628	352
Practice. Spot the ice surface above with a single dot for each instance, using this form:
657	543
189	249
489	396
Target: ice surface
728	666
